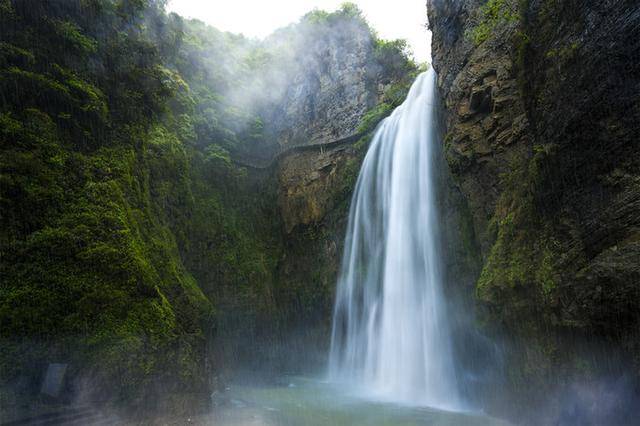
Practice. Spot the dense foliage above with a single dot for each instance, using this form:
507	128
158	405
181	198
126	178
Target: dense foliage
93	160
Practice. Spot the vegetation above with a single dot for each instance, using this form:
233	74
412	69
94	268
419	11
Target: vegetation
517	262
129	232
91	271
394	95
347	11
493	14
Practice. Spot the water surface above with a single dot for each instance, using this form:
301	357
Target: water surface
308	402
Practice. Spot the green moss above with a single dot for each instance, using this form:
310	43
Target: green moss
519	282
545	273
564	53
374	116
516	261
91	272
492	14
14	54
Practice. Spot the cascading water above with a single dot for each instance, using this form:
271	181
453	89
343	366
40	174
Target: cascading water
390	333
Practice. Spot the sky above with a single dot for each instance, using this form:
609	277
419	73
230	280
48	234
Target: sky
259	18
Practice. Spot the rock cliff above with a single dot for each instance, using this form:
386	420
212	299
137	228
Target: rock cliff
542	122
330	84
342	88
333	83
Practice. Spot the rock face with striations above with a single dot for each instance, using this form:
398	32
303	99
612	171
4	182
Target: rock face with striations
330	84
336	77
542	123
333	82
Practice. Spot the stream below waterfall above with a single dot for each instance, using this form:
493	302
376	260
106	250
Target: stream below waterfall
298	401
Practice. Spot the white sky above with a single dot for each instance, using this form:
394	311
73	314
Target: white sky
259	18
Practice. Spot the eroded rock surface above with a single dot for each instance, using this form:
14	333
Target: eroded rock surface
542	116
332	85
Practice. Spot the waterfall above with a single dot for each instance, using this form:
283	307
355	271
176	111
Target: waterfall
390	333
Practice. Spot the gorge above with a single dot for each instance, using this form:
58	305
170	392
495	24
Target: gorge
314	229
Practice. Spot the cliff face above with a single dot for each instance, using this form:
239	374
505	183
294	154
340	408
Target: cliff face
345	87
330	84
542	118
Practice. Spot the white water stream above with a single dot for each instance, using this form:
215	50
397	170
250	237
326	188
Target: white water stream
390	334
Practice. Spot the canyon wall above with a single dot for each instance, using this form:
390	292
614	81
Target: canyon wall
542	125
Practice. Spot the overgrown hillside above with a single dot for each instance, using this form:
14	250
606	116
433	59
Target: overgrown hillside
143	235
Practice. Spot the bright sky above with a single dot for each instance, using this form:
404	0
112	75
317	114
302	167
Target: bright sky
259	18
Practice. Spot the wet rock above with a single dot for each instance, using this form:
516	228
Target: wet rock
542	123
